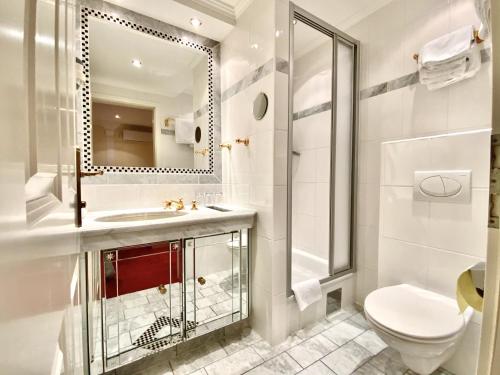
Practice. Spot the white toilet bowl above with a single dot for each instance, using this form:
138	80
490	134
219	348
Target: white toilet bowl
425	327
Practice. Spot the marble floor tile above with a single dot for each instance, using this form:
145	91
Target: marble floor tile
232	344
144	309
360	320
134	302
367	369
191	361
338	316
311	350
389	362
281	364
313	329
343	332
266	351
371	342
236	363
223	307
347	358
318	368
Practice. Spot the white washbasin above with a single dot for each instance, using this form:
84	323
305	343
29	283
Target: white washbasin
140	216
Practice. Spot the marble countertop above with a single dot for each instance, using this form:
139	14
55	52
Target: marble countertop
99	235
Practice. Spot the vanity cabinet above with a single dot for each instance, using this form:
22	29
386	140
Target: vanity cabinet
148	297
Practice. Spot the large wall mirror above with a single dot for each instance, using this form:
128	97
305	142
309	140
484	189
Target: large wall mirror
149	98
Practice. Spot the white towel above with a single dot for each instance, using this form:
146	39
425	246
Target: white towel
307	292
449	59
184	131
483	10
447	47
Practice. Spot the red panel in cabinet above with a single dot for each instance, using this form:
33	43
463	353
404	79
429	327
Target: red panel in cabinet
140	267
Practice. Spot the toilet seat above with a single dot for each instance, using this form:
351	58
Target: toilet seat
415	314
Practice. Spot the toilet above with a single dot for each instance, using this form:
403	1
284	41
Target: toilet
423	326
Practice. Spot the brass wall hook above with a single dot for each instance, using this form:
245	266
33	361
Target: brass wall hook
226	145
203	151
243	141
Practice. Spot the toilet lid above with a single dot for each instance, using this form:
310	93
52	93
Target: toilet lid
414	312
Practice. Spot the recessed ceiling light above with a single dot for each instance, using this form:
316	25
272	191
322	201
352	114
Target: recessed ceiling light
117	116
137	63
195	22
254	46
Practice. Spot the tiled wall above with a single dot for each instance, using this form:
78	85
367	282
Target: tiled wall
428	244
389	37
247	68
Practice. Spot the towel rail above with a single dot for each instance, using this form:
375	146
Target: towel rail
476	39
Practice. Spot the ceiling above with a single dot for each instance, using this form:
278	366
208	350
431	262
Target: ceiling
218	16
342	14
167	68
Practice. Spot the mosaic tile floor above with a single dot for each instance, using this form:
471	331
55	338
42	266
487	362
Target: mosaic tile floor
137	318
342	344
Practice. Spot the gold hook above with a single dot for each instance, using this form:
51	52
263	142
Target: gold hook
244	141
226	145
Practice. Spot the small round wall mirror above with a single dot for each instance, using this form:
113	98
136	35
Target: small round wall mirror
197	134
260	106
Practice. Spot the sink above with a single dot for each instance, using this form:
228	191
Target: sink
140	216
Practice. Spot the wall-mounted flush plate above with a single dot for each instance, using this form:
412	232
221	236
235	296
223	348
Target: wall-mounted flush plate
442	186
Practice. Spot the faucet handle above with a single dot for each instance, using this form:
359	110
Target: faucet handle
194	205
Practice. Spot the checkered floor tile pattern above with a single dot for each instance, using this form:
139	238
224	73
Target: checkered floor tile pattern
142	318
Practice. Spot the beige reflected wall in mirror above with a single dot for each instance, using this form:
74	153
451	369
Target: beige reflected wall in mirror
148	95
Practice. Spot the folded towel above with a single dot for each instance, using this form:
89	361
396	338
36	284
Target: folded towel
447	47
442	75
307	292
483	10
184	131
449	59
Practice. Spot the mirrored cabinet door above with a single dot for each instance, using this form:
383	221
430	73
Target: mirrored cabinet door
217	279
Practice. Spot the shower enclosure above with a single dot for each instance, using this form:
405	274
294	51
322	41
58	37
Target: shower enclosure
323	97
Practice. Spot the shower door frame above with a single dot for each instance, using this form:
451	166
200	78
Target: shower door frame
337	36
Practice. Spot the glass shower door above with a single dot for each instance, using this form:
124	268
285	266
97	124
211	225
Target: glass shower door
321	162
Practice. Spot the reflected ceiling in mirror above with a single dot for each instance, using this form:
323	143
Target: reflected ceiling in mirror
145	96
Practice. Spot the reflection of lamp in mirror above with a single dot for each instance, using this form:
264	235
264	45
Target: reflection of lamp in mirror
137	63
169	122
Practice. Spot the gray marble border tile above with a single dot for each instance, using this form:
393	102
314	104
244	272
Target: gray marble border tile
312	111
406	80
282	65
249	79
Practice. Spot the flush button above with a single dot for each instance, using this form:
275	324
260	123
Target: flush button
442	186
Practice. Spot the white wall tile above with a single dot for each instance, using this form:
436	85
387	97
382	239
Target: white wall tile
402	159
401	217
444	269
402	262
464	151
460	227
471	102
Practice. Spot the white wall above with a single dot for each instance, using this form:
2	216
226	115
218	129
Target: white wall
248	178
429	244
389	37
